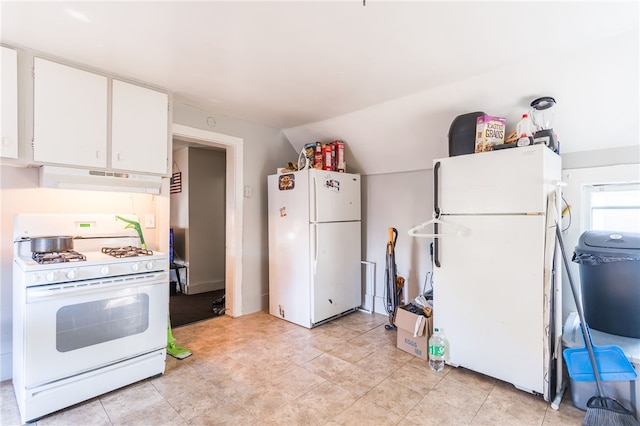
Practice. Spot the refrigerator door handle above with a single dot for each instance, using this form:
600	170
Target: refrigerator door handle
436	207
436	214
314	197
315	251
436	247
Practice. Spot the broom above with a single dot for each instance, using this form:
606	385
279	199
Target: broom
601	410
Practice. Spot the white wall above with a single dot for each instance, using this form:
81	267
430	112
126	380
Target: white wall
596	89
20	194
265	149
401	201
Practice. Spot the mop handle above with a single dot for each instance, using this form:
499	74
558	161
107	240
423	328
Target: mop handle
585	332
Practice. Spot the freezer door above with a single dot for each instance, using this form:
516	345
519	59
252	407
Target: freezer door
289	196
489	298
336	269
507	181
334	197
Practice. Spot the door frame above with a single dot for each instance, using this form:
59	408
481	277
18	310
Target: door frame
234	205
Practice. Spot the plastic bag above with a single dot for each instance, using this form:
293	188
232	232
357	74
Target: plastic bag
594	259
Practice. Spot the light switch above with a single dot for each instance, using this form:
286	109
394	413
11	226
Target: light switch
247	192
150	221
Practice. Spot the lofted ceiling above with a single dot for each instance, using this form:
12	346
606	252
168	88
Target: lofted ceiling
384	72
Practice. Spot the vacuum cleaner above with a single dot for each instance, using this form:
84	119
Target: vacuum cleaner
393	283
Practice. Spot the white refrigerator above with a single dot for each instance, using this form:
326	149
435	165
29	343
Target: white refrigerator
494	297
314	245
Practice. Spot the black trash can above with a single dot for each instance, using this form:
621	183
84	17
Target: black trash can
610	280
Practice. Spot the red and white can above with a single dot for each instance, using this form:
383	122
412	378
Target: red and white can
327	157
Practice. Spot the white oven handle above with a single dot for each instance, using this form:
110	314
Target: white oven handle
81	288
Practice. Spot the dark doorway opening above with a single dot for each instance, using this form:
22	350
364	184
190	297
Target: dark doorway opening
189	308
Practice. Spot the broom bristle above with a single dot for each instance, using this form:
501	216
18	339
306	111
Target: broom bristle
607	411
602	417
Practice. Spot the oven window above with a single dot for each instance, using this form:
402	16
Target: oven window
91	323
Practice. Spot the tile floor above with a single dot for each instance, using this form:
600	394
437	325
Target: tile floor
260	370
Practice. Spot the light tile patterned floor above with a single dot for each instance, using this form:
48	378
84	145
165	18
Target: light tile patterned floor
261	370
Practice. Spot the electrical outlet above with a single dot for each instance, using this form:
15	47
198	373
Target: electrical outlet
150	221
247	192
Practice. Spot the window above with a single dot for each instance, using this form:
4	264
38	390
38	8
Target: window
614	207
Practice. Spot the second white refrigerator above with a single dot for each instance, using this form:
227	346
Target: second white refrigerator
314	245
493	295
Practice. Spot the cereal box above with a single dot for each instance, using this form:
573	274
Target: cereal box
489	132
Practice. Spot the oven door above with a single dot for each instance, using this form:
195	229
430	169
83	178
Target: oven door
80	326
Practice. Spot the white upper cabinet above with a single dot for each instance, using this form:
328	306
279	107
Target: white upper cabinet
9	95
139	128
70	115
74	126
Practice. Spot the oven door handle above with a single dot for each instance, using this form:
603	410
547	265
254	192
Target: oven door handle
82	288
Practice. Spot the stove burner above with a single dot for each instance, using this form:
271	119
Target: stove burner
128	251
58	257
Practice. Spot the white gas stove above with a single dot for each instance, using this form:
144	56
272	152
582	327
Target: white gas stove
88	319
84	264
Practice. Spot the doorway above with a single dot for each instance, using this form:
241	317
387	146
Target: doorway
191	136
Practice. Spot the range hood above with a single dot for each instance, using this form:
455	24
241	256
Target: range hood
100	180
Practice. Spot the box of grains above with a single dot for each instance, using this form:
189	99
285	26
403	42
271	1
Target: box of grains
489	132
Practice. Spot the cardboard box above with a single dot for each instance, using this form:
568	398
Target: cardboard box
413	333
489	132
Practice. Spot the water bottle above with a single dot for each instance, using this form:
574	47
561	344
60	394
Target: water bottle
436	351
524	130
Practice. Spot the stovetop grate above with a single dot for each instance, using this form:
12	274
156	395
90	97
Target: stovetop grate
127	251
45	258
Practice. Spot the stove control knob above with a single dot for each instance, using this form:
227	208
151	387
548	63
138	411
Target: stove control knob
72	274
104	270
135	267
51	276
149	265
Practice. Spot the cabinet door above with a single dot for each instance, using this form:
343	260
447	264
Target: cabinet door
70	115
9	90
139	137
